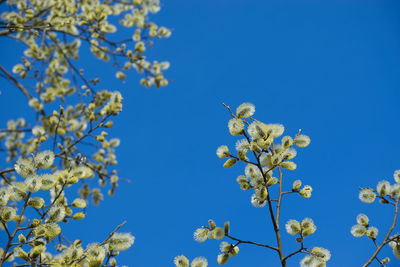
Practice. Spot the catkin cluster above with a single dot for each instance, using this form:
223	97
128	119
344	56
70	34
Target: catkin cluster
65	146
265	152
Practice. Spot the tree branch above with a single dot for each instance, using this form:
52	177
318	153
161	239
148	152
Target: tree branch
385	240
15	82
250	242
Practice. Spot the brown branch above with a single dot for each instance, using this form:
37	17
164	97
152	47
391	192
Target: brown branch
82	137
300	250
6	171
278	207
31	231
376	257
250	242
72	66
229	108
10	239
112	233
385	240
102	243
6	228
15	82
270	208
14	130
5	179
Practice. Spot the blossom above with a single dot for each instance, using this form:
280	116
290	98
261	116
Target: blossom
96	253
4	195
256	203
82	172
261	194
224	246
287	141
217	233
367	196
257	130
383	188
308	227
97	196
372	232
243	182
199	262
181	261
223	152
306	191
56	213
358	230
235	126
234	251
245	110
242	145
74	252
24	167
48	181
44	159
309	261
257	182
302	140
51	230
266	159
36	202
7	214
362	219
395	190
18	191
292	227
289	154
272	181
79	203
38	130
396	176
252	171
321	254
276	129
200	235
33	183
396	251
121	241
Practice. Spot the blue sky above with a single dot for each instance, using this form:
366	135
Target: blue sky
330	68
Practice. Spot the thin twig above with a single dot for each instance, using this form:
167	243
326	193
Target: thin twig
15	82
112	233
250	242
385	240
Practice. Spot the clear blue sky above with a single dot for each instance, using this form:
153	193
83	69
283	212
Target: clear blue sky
331	68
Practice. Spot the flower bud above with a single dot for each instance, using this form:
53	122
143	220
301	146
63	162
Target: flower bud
8	214
226	227
36	202
229	163
78	216
21	238
234	251
109	124
211	223
289	165
35	222
222	258
296	185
